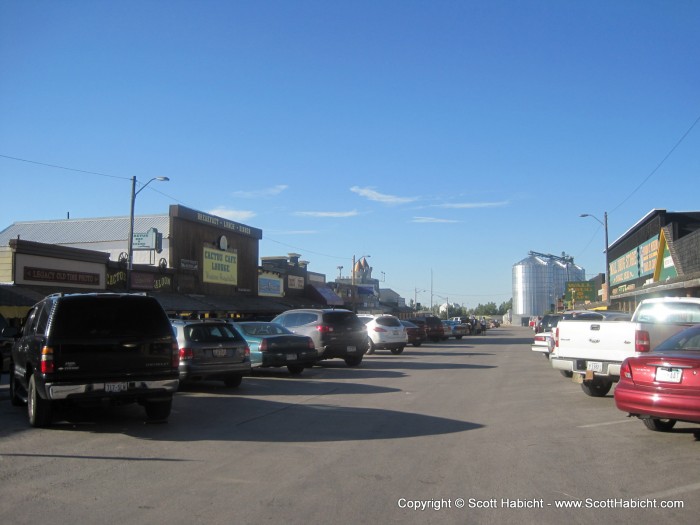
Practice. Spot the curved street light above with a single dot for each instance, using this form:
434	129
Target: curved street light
134	193
607	259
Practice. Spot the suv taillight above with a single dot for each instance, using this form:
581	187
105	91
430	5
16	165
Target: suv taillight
379	329
47	364
324	328
556	337
642	342
186	354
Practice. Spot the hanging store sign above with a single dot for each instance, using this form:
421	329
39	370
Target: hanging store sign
220	267
636	263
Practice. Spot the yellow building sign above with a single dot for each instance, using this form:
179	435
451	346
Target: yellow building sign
220	267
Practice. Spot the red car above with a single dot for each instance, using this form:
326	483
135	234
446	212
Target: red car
416	334
663	387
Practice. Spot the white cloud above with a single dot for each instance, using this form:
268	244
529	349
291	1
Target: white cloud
432	220
469	205
234	215
373	195
260	194
338	214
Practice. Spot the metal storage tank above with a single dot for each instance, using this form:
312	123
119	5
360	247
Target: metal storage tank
539	280
530	278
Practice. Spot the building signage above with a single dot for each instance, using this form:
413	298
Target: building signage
581	291
270	287
636	263
188	264
295	282
220	267
216	222
61	276
151	281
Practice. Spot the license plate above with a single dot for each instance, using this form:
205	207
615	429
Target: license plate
291	357
669	375
116	387
595	366
219	352
352	349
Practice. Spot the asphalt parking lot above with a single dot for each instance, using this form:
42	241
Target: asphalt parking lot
479	430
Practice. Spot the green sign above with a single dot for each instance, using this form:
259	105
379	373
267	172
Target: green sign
581	291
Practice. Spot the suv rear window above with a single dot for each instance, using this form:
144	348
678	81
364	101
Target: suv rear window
211	333
341	318
108	317
388	321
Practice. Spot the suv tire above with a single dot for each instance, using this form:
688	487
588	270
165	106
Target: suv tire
353	361
158	410
38	408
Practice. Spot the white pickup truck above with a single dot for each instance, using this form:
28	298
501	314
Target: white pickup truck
593	351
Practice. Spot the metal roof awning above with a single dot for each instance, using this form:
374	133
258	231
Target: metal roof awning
324	294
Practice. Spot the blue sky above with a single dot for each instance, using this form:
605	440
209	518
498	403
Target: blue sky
446	139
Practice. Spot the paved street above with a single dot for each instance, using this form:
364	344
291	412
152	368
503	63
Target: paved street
480	430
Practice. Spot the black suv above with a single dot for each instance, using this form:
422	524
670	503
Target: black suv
335	333
91	349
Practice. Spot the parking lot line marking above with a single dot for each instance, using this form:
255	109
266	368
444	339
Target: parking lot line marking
616	422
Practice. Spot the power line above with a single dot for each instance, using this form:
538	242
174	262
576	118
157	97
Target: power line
659	164
64	168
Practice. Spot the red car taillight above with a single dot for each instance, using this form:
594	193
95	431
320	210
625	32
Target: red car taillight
626	370
556	337
311	344
186	354
642	342
47	364
247	351
379	329
324	328
263	345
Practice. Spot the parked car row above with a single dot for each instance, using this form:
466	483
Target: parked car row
115	348
659	385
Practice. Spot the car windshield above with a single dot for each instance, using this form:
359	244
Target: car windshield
669	313
685	341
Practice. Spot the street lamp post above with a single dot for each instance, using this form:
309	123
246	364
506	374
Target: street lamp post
604	222
130	258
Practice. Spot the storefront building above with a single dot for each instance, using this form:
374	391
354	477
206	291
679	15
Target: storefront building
658	256
194	263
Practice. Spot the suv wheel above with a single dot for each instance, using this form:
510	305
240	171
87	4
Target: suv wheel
353	361
233	381
38	409
295	370
370	345
158	410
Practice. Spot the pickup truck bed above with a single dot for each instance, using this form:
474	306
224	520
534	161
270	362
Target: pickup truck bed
593	351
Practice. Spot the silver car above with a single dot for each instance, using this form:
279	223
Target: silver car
211	350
